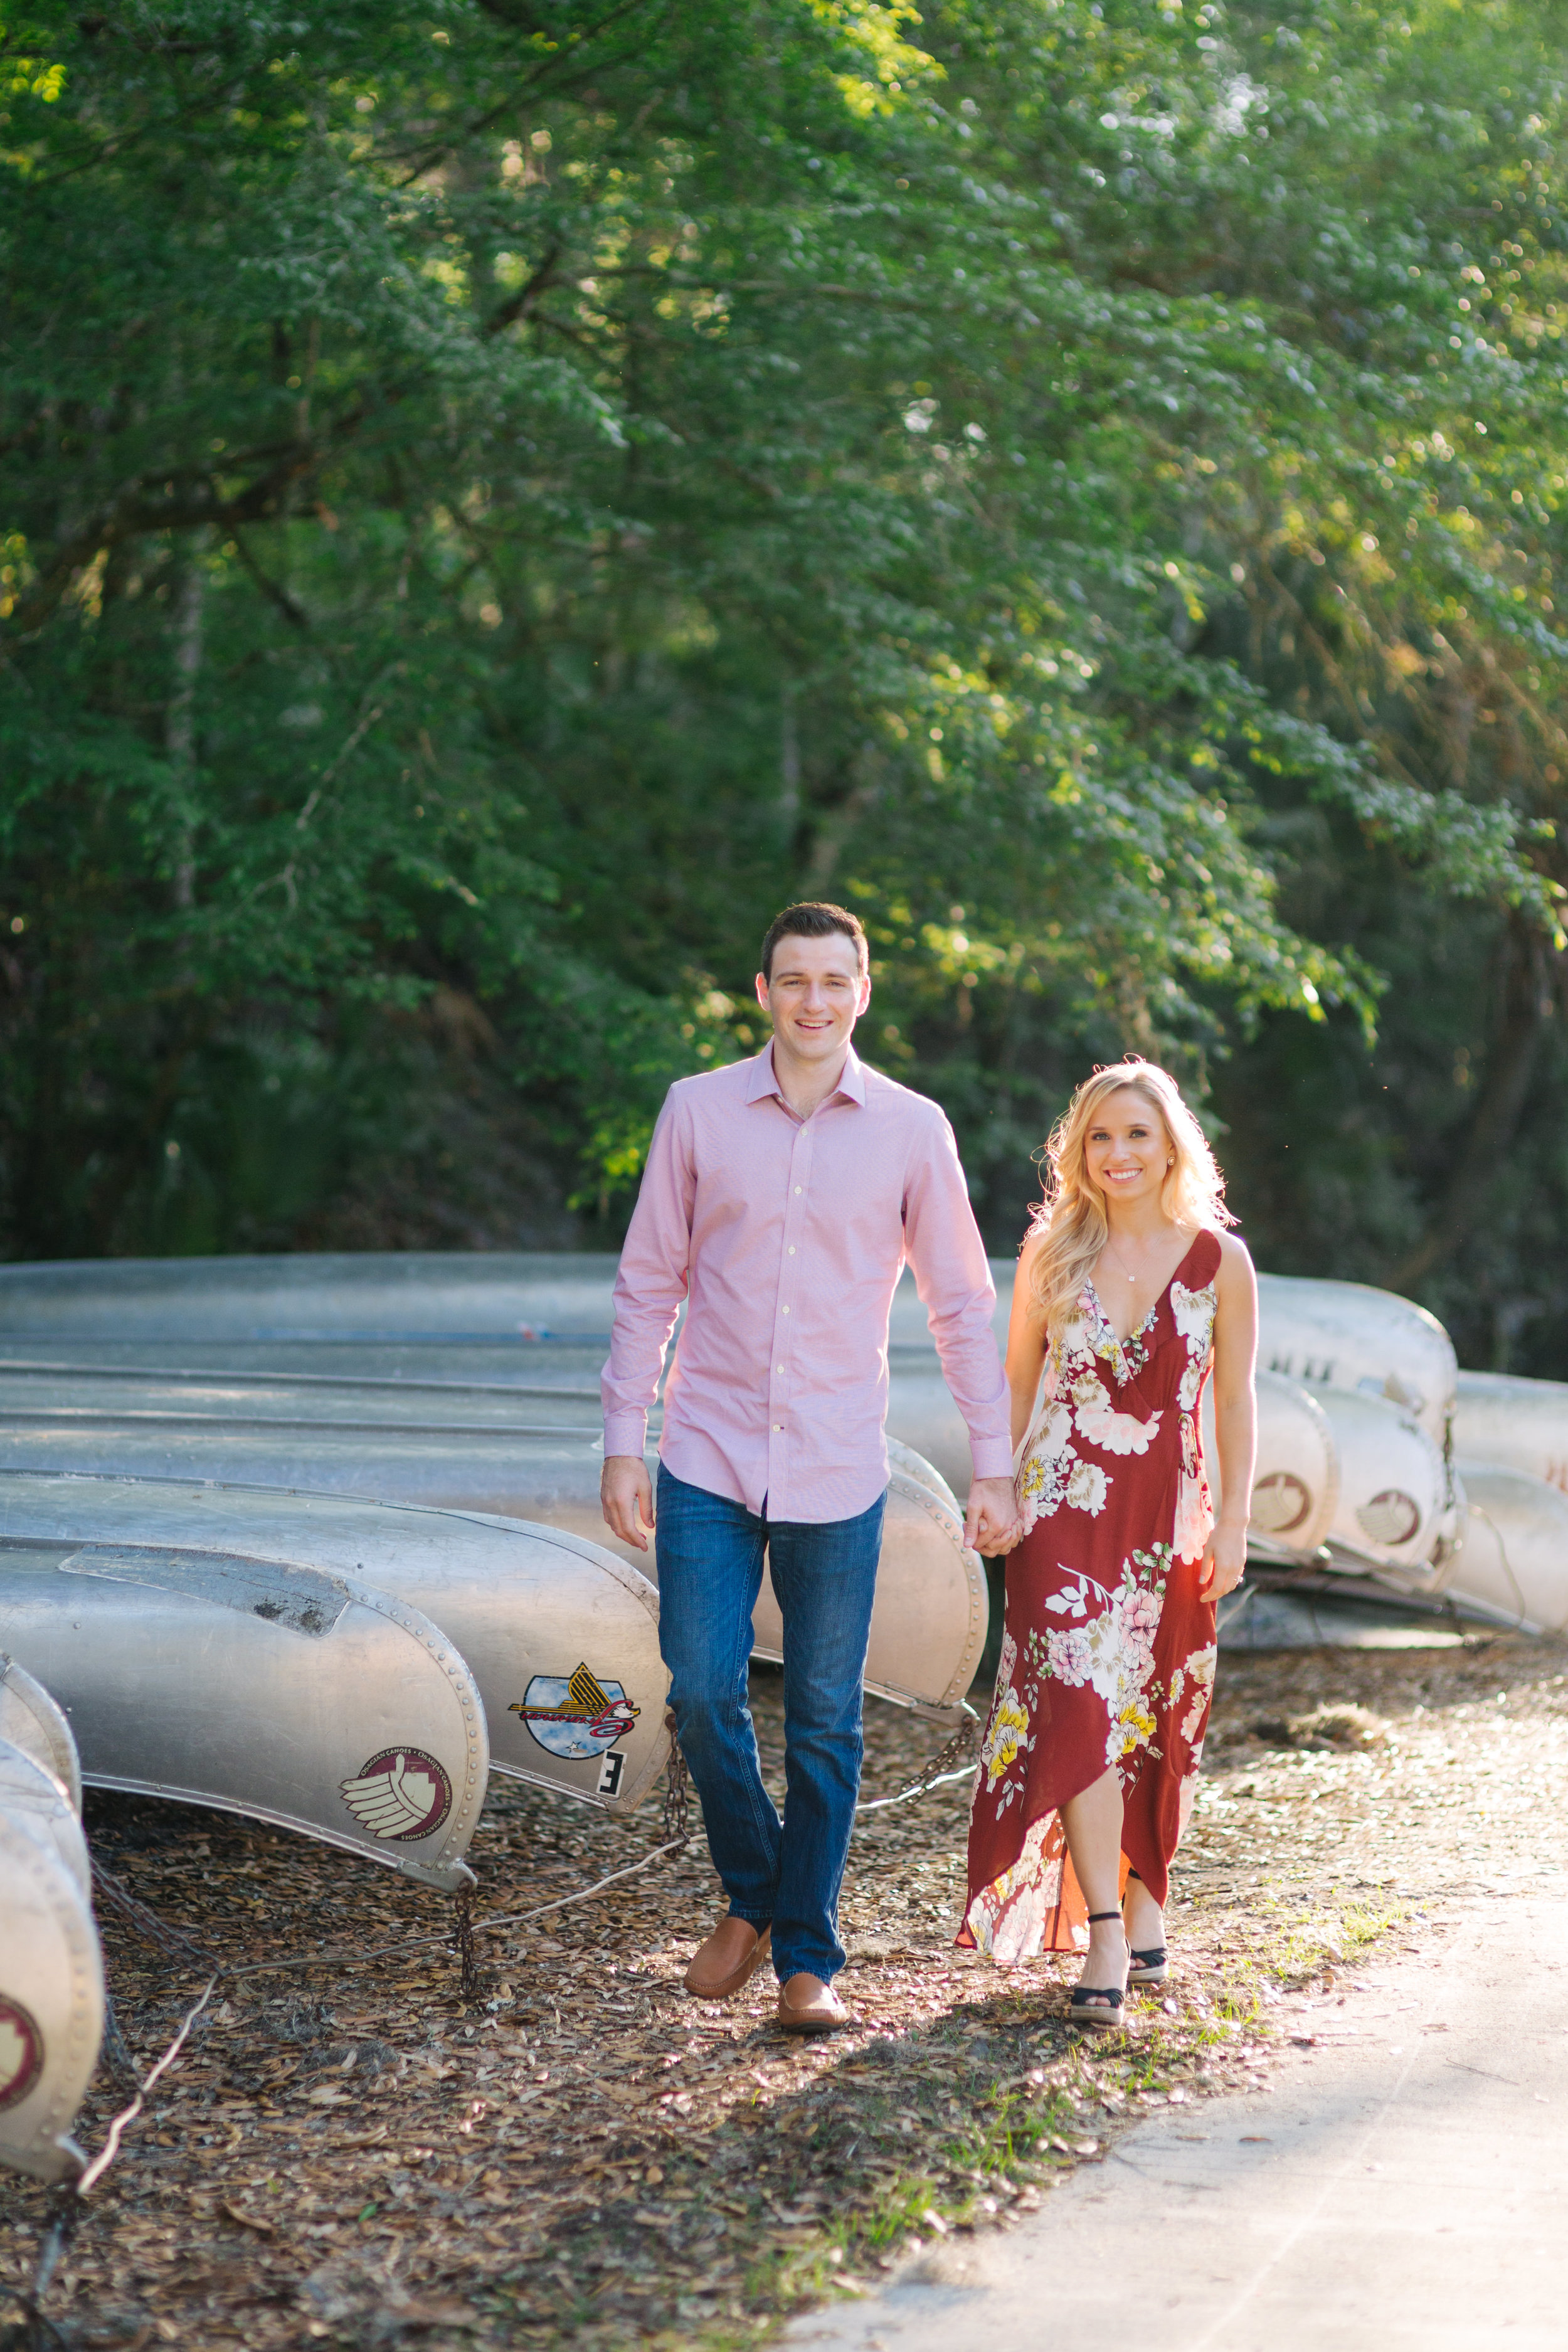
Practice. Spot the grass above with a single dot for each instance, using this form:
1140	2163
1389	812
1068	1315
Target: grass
820	2196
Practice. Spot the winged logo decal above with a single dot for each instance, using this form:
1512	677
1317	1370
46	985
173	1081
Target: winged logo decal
402	1793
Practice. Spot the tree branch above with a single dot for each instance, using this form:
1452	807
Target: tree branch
291	612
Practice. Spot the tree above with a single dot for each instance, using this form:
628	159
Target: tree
497	502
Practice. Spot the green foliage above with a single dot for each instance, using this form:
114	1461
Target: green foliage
495	500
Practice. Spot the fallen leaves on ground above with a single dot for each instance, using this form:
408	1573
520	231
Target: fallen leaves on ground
353	2158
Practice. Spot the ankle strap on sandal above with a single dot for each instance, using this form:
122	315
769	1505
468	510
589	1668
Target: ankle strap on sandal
1102	1914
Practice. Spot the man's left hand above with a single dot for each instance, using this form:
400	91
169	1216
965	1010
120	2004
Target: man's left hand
991	1523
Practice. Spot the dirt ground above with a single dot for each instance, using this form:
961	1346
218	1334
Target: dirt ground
356	2158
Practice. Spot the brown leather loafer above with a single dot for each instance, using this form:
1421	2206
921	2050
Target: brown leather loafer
730	1957
806	2005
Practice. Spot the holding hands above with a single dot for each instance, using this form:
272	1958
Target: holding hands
992	1524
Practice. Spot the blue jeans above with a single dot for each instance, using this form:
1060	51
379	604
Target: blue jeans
709	1553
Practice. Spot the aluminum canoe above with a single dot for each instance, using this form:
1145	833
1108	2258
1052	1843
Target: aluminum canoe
1325	1334
1346	1335
1399	1511
31	1793
1524	1424
530	1608
279	1690
51	2002
1512	1565
1315	1335
928	1625
353	1297
36	1723
533	1324
1296	1486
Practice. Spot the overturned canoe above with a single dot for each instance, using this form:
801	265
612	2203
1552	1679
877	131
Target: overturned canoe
1513	1565
1345	1335
931	1609
30	1794
476	1455
355	1296
1522	1424
1296	1485
1398	1510
30	1720
51	2003
534	1610
274	1689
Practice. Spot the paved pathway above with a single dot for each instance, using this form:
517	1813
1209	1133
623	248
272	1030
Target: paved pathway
1402	2188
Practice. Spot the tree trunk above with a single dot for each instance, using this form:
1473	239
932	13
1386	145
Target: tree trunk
1527	1006
180	720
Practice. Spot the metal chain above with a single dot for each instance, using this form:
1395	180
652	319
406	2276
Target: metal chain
677	1789
939	1770
33	2332
471	1976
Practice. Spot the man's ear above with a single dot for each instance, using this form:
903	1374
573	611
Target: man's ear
864	995
763	993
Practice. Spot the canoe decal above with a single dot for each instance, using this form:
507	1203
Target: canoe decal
21	2052
1281	1502
1391	1518
402	1793
575	1715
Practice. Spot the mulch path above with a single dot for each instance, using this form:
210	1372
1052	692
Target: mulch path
358	2158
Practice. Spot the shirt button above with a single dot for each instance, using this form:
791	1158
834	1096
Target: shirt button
778	1424
786	1311
797	1188
780	1368
792	1249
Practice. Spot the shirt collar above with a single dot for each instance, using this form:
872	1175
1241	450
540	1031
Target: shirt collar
851	1083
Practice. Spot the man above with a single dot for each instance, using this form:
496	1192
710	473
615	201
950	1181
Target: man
782	1197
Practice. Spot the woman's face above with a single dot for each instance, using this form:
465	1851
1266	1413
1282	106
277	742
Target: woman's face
1127	1151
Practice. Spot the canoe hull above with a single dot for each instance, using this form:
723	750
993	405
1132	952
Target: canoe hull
30	1794
932	1609
1398	1510
1512	1565
1348	1336
308	1700
33	1721
1296	1487
536	1469
1517	1423
527	1606
51	2005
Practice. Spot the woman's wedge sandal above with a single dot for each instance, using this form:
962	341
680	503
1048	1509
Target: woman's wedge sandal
1098	2006
1148	1967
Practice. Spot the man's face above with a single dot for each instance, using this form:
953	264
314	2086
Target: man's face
815	995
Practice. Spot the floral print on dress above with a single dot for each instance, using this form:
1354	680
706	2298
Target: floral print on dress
1098	1421
1108	1659
1200	1670
1009	1731
1113	1649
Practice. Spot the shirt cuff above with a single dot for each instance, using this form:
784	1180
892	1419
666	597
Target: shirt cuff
626	1433
992	1457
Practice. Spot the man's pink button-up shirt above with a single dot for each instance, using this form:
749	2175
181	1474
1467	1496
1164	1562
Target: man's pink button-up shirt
788	1236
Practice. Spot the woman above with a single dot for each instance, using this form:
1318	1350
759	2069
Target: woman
1128	1291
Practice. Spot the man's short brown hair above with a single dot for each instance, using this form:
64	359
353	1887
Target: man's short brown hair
814	918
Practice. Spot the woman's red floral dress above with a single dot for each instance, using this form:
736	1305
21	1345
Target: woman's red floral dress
1108	1655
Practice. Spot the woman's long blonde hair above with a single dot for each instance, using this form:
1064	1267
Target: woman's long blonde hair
1072	1215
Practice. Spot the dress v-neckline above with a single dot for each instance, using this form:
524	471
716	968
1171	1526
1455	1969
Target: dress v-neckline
1119	1344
